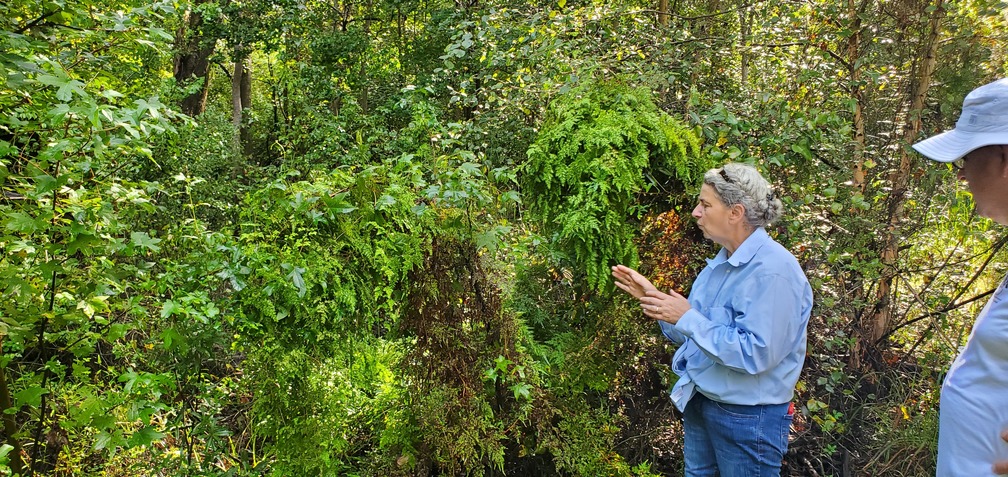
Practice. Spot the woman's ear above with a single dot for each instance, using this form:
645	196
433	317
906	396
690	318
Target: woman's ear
736	214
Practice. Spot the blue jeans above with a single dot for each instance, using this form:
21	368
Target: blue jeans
734	441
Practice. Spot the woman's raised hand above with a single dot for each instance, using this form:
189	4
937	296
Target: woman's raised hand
631	281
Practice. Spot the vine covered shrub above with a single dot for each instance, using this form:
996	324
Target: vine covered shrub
468	383
602	146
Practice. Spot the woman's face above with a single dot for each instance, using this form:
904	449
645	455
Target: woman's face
983	170
712	215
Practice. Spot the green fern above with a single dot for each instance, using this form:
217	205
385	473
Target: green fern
589	165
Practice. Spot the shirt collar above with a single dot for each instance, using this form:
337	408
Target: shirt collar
745	252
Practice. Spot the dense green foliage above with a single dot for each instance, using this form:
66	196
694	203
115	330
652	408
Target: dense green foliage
395	261
588	169
597	153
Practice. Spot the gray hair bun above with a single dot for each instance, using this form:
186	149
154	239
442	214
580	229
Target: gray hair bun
738	183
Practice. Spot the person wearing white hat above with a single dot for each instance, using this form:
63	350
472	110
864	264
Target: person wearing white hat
973	408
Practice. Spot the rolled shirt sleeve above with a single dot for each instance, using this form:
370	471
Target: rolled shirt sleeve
670	332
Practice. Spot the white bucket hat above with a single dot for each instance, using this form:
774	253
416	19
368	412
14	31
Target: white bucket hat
983	122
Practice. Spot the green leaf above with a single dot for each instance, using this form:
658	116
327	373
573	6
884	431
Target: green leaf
106	440
385	201
21	222
116	331
471	169
51	80
815	405
172	339
110	94
102	441
510	196
143	240
298	280
802	149
522	391
59	113
4	450
338	204
7	150
31	396
87	308
83	242
145	436
170	308
67	90
102	421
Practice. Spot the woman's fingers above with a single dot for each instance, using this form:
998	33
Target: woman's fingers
628	280
1001	466
656	296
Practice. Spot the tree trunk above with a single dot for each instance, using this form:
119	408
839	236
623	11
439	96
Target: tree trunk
192	62
880	319
856	90
245	96
663	13
241	89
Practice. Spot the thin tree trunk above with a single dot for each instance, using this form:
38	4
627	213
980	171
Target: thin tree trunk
663	13
245	96
851	58
881	319
240	92
236	104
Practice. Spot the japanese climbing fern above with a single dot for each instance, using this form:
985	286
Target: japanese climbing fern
600	147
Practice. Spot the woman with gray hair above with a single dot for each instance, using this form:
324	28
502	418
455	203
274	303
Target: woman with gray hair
742	331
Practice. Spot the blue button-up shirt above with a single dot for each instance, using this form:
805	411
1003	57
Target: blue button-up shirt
744	339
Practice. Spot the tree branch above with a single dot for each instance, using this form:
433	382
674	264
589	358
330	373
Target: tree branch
35	22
